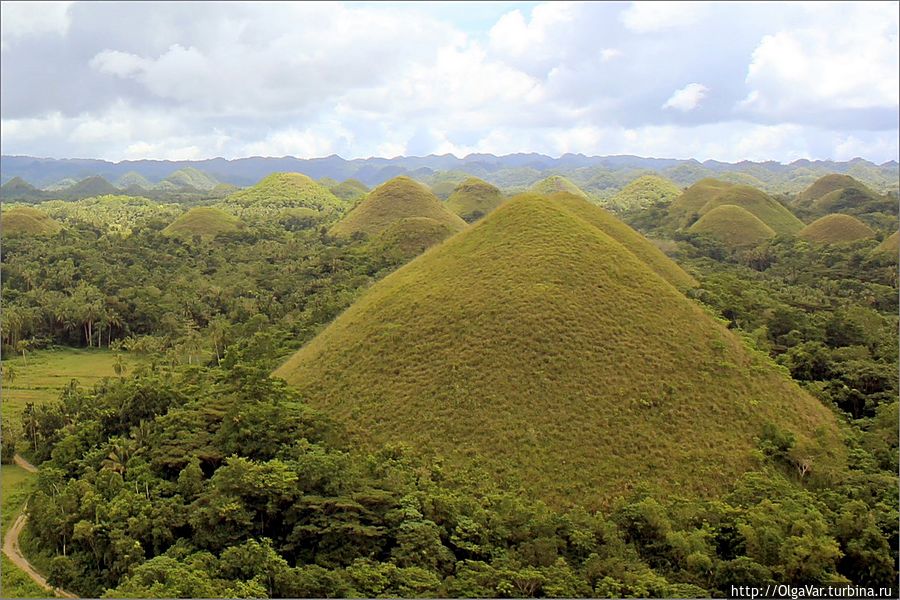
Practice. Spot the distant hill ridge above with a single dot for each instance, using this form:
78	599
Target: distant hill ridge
373	171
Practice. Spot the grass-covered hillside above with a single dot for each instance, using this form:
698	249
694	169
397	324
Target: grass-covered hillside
474	198
647	190
706	195
25	220
88	187
397	199
825	185
189	177
279	191
557	183
633	241
733	226
133	179
409	237
836	229
890	245
205	221
539	347
350	190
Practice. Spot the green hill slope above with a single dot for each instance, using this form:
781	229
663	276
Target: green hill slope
24	220
89	187
687	206
733	225
191	178
707	194
541	349
279	191
19	189
396	199
825	185
836	229
133	179
205	221
890	245
645	191
474	198
350	190
557	183
633	241
410	237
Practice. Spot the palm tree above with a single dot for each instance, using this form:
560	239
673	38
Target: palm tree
119	366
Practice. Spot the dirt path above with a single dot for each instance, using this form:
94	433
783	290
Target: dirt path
11	544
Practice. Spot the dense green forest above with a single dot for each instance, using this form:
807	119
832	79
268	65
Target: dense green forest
197	474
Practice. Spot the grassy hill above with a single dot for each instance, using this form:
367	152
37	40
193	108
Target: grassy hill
350	190
25	220
17	189
60	185
707	194
733	225
557	183
205	221
89	187
836	229
192	178
890	245
645	191
279	191
410	237
633	241
688	205
825	185
133	179
474	198
397	199
540	348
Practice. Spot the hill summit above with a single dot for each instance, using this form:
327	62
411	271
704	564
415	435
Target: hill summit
25	220
396	199
557	183
204	221
279	191
836	229
733	226
707	194
474	198
540	348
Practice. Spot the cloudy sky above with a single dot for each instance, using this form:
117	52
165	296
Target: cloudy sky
182	80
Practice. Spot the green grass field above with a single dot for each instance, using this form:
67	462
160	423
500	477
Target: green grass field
836	229
16	484
733	226
42	375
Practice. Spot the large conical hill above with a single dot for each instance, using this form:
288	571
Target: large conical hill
396	199
474	198
836	229
825	185
541	349
633	241
25	220
734	226
203	221
889	247
278	191
557	183
694	198
645	191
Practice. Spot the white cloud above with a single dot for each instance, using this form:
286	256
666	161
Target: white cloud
608	54
648	17
687	98
841	59
21	19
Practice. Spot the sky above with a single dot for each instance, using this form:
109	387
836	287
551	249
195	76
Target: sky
180	80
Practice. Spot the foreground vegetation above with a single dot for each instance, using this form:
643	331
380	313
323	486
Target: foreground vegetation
191	472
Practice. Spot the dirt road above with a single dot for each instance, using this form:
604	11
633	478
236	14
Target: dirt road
11	544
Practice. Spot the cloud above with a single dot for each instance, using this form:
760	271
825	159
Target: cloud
649	17
687	98
840	60
230	79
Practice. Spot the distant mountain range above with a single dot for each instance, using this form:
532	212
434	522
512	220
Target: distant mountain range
510	170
